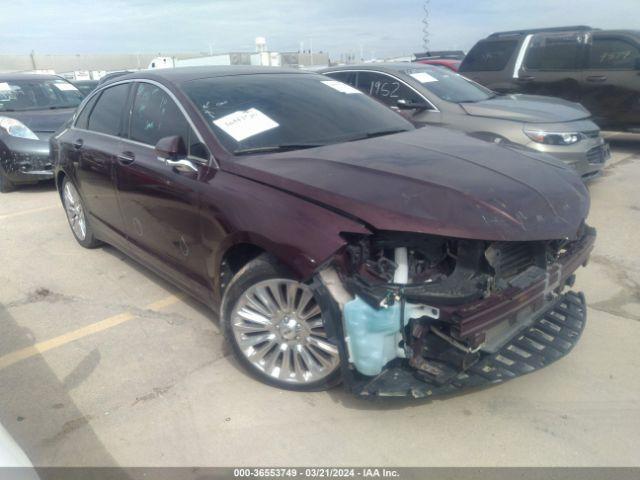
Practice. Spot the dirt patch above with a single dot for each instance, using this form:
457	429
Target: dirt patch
630	293
39	295
155	393
67	428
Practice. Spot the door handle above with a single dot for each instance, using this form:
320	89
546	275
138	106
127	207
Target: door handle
526	78
182	166
126	158
597	78
78	144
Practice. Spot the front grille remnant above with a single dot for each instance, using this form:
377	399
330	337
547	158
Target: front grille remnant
596	155
553	335
511	258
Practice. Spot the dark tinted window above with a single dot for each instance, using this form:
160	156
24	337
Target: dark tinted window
196	147
553	52
38	94
83	117
86	87
448	85
346	77
489	56
274	110
107	113
155	115
386	88
613	54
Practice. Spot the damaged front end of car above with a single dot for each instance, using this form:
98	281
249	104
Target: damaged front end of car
420	315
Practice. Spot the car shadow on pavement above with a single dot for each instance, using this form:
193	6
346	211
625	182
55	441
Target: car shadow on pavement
160	282
45	186
348	400
38	411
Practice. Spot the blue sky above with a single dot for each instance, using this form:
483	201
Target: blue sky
380	27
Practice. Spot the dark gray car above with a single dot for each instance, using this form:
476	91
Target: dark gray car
32	107
598	68
434	95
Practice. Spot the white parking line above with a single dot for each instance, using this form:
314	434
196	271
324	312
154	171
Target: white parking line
41	347
28	212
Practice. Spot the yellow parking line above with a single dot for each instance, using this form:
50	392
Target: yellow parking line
27	212
41	347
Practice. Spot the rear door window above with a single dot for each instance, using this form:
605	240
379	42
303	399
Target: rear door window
489	56
345	77
553	52
106	116
611	53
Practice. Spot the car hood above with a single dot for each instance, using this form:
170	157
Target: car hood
432	180
527	108
42	121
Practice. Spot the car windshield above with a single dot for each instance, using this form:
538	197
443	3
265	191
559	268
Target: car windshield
449	85
271	112
489	56
37	94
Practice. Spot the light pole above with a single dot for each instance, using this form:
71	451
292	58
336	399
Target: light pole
425	26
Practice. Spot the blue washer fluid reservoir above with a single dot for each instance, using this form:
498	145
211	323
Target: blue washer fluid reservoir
373	334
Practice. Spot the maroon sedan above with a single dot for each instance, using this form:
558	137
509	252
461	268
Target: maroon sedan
335	241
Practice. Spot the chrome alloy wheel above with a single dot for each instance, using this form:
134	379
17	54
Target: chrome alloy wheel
75	212
278	328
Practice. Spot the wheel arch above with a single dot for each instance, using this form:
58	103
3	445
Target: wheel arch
60	176
242	247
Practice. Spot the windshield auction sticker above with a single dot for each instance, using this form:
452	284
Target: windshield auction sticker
245	123
341	87
423	77
64	86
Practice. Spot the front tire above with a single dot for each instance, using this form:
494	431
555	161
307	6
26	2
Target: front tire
275	328
77	216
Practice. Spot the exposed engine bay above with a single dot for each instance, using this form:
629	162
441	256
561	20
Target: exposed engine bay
416	313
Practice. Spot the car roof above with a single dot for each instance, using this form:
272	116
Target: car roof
511	33
384	67
7	77
633	33
185	74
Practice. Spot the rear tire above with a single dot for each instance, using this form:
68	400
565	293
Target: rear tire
77	217
275	328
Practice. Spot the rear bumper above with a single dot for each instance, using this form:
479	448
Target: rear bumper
553	334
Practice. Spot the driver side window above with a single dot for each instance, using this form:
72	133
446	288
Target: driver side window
155	115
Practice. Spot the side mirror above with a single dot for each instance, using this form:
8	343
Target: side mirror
171	148
403	104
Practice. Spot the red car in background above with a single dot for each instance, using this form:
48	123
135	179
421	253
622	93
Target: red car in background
445	58
443	62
